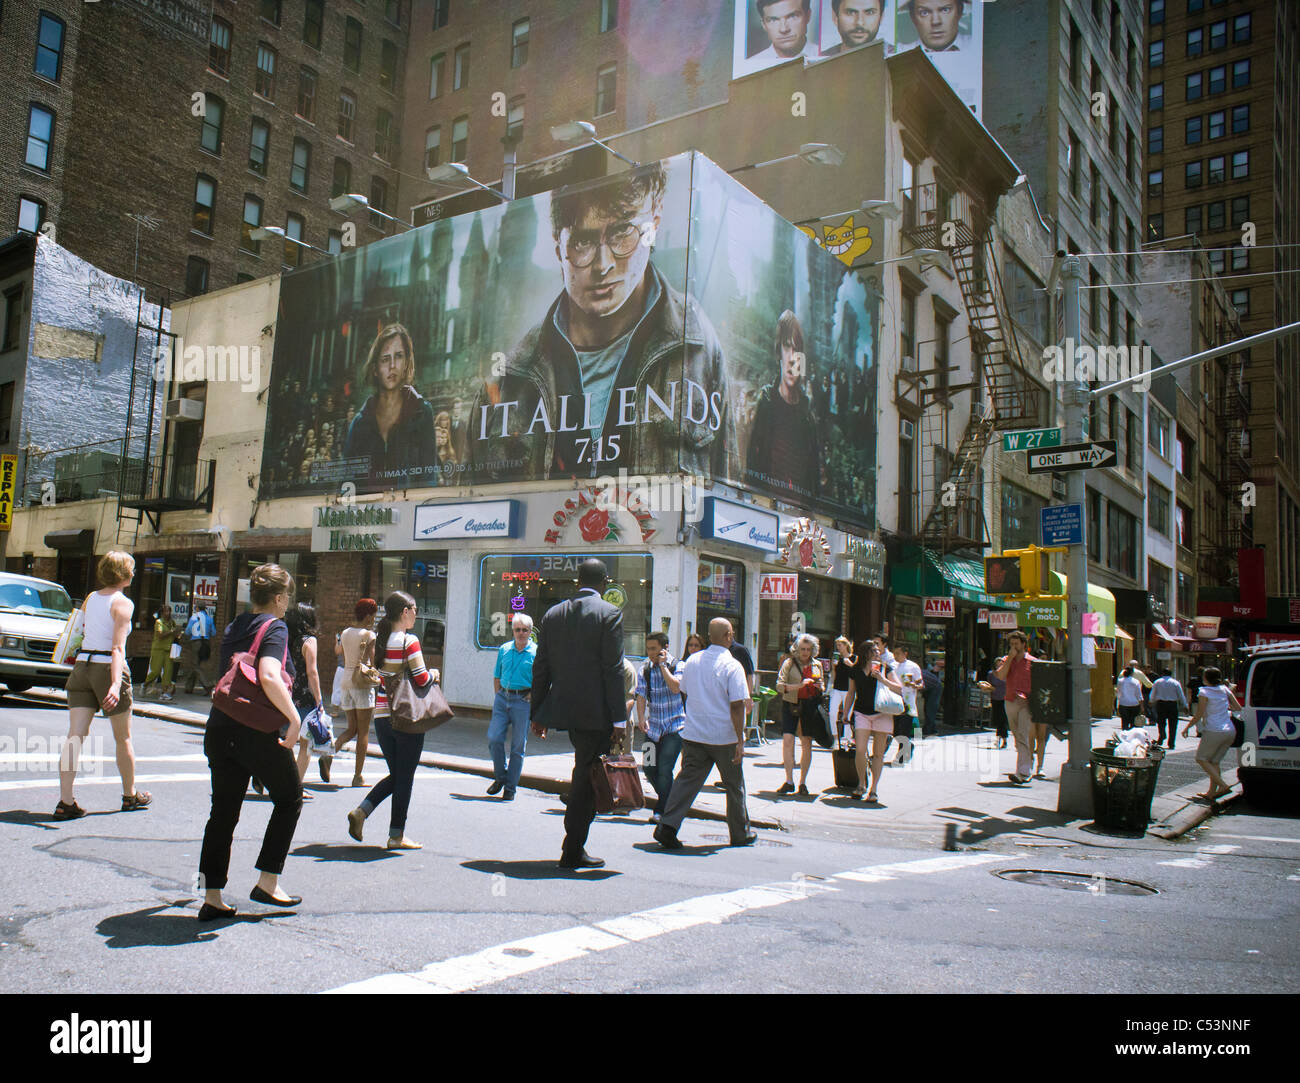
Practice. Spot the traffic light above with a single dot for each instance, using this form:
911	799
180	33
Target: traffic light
1017	572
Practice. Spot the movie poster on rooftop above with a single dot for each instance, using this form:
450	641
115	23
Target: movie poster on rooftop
579	334
951	34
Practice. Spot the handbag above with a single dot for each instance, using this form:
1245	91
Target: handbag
174	651
815	716
888	701
366	677
336	694
322	737
69	641
616	784
240	694
412	709
1239	737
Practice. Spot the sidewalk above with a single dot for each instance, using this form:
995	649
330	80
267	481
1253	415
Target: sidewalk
955	785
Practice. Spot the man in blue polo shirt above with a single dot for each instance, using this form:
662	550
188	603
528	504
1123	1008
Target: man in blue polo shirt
660	715
513	680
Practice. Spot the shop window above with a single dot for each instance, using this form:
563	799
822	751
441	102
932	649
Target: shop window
533	582
424	577
720	593
1020	516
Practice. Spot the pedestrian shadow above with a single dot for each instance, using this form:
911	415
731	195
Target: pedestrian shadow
29	819
32	704
357	854
687	850
847	800
982	827
537	870
151	928
477	797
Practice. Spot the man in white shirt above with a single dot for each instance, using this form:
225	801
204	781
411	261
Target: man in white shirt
714	736
936	23
908	673
786	24
1167	697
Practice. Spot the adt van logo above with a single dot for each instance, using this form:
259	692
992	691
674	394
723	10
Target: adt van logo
1278	729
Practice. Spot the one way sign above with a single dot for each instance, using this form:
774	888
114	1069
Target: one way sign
1088	456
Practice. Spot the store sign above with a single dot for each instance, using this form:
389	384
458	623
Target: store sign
868	558
982	616
779	588
1002	620
805	546
486	519
205	589
8	489
1104	643
740	524
1042	614
603	513
1267	639
940	608
353	528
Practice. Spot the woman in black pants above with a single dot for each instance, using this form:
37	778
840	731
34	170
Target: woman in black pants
235	752
398	651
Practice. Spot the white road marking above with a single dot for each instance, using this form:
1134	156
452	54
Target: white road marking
465	972
1204	855
34	760
94	780
1258	838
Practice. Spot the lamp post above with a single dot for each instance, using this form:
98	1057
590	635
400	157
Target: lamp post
580	131
346	204
812	153
452	173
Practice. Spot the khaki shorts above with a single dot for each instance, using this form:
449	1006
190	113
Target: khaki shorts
1214	746
88	684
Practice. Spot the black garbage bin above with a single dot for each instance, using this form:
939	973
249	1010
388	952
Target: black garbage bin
1122	788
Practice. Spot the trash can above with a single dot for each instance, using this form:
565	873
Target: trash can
1122	788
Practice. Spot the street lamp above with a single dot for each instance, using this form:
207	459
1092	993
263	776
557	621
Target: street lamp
921	259
265	233
812	153
576	131
452	173
354	201
882	208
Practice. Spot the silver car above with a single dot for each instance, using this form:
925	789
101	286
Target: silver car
32	615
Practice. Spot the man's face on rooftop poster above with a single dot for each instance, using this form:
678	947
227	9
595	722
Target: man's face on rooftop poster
936	21
615	250
786	25
858	21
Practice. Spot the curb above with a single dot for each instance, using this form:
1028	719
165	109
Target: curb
559	787
1192	814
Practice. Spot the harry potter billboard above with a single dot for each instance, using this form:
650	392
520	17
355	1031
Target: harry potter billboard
662	321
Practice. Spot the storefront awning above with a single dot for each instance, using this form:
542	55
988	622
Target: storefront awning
70	539
1163	633
1121	634
1191	645
1053	614
959	576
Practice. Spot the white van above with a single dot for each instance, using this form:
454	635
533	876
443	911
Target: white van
1270	752
32	615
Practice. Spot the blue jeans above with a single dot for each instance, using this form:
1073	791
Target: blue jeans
402	755
659	767
509	712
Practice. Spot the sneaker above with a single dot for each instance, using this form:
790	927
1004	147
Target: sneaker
166	697
786	787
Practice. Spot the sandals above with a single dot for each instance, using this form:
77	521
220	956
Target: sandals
134	802
72	811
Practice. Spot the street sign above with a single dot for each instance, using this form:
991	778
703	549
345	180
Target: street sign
1063	524
1030	439
1089	456
943	608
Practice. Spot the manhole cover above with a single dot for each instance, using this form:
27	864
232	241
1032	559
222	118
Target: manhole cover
1076	881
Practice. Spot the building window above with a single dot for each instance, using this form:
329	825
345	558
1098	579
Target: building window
352	45
347	115
393	11
459	139
1193	130
219	47
388	66
1241	302
1158	583
1218	80
907	331
341	183
1240	211
379	202
300	168
1193	174
384	141
214	111
1192	219
1240	119
270	11
1156	97
1158	431
1155	227
1186	599
1076	55
433	147
7	390
264	81
334	246
1121	540
1183	525
1218	260
1094	301
1185	455
49	47
307	94
1155	183
293	226
196	276
515	119
606	88
1240	73
259	146
1112	135
1156	139
1240	259
460	68
1131	155
31	213
437	66
1134	427
608	15
1217	170
1021	513
1156	12
1094	526
252	220
313	19
1094	194
1072	162
1219	34
942	360
205	201
1156	53
1217	124
40	138
1241	29
1195	86
441	13
1195	42
519	44
1158	503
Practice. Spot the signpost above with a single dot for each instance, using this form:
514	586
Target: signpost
1089	456
1062	524
1030	439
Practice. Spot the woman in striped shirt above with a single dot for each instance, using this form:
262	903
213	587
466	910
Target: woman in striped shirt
401	750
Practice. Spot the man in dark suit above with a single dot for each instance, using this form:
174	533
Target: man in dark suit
578	686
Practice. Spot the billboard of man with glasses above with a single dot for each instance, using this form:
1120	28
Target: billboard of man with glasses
623	370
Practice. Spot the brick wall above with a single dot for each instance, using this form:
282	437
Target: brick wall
341	577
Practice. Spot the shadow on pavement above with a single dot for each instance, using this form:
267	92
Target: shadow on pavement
30	819
982	827
150	927
346	852
537	870
495	800
687	849
33	703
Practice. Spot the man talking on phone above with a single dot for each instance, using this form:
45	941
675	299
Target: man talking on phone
1014	671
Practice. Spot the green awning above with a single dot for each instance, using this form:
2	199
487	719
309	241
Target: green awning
941	576
1053	614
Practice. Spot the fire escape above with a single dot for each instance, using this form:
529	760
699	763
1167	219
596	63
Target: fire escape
1231	527
1002	395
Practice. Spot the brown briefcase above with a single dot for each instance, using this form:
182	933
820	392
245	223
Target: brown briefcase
616	784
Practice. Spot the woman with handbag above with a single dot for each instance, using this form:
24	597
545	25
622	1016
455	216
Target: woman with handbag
801	683
306	691
1213	714
873	711
238	746
402	656
841	667
360	680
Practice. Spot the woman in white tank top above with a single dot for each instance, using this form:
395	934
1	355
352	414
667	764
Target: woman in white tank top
101	681
1214	707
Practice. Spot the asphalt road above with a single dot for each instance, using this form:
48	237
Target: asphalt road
106	903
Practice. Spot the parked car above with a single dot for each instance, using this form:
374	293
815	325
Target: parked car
32	614
1271	721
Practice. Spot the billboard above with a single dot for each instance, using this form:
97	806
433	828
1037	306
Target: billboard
951	34
661	321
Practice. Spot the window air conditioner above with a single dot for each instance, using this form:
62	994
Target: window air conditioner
184	410
906	430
